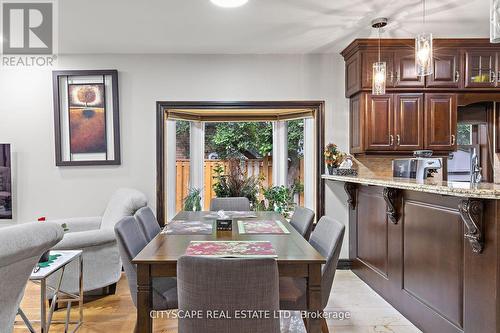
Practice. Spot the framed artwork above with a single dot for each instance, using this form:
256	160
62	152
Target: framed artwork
86	117
5	182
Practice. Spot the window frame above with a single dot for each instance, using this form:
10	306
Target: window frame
315	107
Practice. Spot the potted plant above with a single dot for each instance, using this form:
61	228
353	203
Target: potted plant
333	157
280	198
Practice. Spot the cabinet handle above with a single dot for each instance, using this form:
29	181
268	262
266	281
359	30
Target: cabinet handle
457	76
452	139
398	76
391	140
391	75
398	139
492	77
498	77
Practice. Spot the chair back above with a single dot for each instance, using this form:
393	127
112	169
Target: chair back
147	222
228	285
327	239
21	247
124	202
302	220
236	204
131	241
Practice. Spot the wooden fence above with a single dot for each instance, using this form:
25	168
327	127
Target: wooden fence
250	167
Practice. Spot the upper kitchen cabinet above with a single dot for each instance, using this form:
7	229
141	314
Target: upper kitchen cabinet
481	69
352	75
447	69
405	70
370	57
440	122
380	122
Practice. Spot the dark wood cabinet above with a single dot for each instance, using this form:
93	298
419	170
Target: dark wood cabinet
447	69
379	122
440	121
481	69
356	123
352	76
369	58
409	119
405	70
422	264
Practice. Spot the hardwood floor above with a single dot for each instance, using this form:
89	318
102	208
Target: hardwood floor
116	313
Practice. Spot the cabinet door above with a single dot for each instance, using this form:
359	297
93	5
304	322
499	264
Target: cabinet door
371	57
440	121
356	122
447	69
352	76
379	122
480	69
405	71
409	119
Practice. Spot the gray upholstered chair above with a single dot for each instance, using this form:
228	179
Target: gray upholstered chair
96	237
302	220
228	285
327	239
236	204
130	242
148	223
21	246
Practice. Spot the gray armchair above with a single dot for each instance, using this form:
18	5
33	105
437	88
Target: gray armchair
96	237
21	246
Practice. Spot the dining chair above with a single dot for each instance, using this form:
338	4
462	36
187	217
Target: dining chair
148	223
302	220
327	239
21	246
228	285
236	204
131	241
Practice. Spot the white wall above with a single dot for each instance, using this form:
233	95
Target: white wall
26	119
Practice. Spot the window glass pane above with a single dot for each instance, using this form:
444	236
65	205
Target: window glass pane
295	140
238	159
182	163
464	134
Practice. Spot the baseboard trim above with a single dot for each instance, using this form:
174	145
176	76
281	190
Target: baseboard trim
344	264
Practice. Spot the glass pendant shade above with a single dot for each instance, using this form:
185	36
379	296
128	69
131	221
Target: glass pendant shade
379	78
423	54
495	21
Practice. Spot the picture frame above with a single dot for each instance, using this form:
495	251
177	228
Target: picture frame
5	182
86	117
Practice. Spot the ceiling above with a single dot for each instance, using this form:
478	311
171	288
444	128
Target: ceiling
260	27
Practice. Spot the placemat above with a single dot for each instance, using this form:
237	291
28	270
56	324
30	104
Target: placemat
180	227
231	249
261	227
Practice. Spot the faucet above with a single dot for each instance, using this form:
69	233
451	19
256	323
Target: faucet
475	170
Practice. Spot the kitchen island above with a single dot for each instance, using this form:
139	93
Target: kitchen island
431	249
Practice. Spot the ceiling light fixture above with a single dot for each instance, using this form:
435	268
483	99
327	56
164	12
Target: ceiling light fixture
423	50
495	21
379	77
229	3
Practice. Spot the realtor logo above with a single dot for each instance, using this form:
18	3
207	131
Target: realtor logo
28	33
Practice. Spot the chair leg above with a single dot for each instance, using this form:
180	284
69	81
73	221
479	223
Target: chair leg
324	326
112	289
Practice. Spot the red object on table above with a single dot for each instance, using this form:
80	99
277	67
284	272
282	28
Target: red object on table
41	219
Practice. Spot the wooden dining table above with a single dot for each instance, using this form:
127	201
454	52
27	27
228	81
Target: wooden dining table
295	257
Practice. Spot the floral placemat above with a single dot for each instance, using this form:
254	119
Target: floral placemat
180	227
231	249
261	227
231	214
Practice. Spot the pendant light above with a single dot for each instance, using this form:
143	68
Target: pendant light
379	68
423	50
495	21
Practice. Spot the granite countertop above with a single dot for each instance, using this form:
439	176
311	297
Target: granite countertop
458	189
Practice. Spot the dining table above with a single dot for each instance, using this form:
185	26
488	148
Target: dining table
294	255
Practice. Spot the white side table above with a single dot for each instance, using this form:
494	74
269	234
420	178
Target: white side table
40	278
